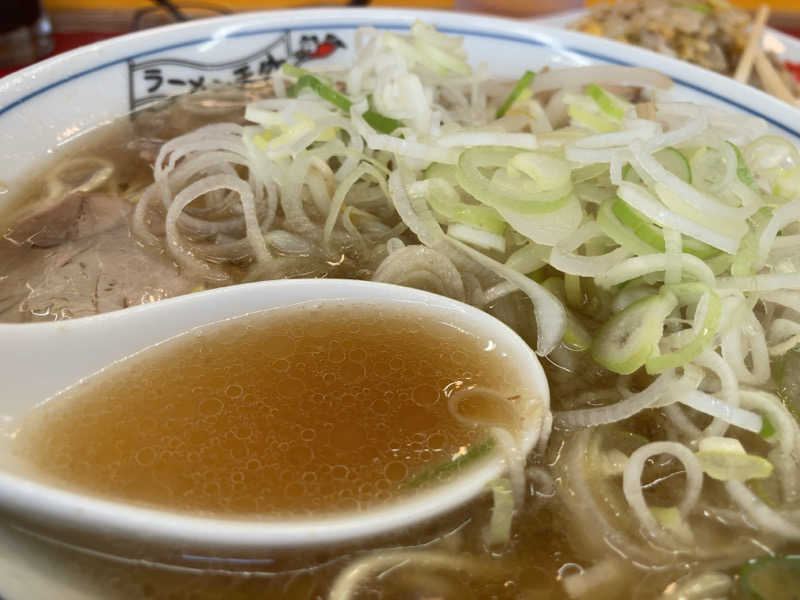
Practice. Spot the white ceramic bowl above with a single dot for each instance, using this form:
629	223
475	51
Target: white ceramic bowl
78	348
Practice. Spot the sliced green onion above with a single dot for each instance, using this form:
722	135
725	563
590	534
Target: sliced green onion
630	174
787	185
720	263
623	440
742	170
538	275
617	231
771	578
442	171
611	463
720	225
584	116
376	120
673	248
529	258
440	58
675	162
767	430
589	172
698	248
651	264
381	123
325	92
498	532
672	159
652	234
294	71
705	332
712	167
506	192
670	518
575	335
770	151
546	172
522	83
275	140
480	238
630	337
606	101
444	200
446	469
647	232
725	459
768	490
745	257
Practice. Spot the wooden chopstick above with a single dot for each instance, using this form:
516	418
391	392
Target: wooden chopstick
772	82
753	44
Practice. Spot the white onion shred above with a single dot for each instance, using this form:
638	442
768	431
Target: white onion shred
632	481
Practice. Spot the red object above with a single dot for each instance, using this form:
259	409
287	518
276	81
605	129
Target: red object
794	67
324	49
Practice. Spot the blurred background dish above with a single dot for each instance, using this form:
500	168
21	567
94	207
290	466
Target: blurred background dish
79	22
714	34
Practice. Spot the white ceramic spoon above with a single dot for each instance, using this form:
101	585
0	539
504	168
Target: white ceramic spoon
38	360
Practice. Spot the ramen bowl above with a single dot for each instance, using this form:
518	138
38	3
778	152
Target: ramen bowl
50	109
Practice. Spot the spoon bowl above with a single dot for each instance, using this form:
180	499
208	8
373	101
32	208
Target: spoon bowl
40	359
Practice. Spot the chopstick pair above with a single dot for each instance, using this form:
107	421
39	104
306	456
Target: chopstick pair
754	55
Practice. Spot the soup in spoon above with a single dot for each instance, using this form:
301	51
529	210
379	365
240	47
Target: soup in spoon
322	407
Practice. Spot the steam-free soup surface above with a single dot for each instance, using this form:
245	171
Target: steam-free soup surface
316	408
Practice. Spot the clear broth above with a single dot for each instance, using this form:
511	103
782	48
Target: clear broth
316	408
